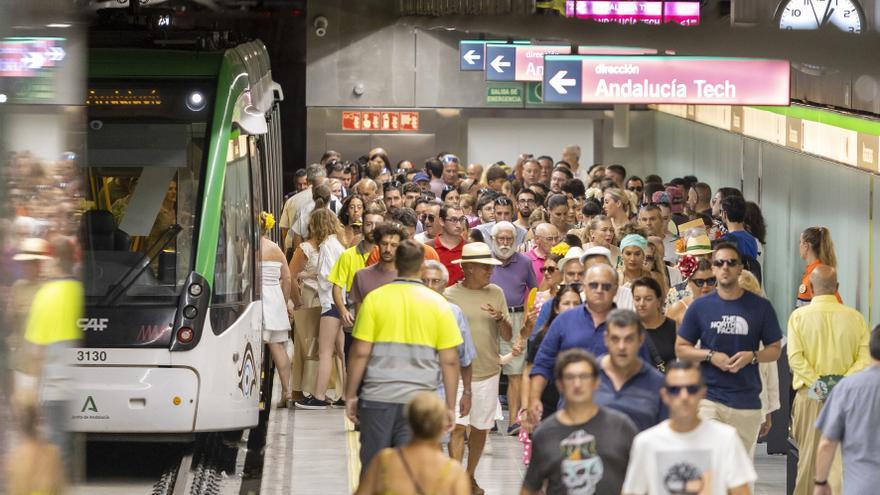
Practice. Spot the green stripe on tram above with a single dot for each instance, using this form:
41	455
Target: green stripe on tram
231	82
856	123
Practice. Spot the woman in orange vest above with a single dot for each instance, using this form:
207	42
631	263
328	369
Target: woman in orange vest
816	249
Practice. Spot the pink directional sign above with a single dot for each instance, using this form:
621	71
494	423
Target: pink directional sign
634	12
530	60
693	80
615	50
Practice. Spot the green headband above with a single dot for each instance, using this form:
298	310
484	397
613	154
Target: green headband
634	240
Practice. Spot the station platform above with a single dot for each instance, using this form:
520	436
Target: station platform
317	451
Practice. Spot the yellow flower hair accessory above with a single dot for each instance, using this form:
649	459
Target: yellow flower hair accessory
267	219
560	249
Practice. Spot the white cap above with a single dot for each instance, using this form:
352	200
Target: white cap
596	250
574	253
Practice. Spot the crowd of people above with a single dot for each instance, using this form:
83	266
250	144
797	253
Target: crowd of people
621	319
42	300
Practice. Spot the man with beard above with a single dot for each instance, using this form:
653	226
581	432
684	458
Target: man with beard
387	237
485	308
503	208
516	278
526	202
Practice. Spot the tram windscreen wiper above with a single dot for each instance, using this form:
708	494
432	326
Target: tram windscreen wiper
142	264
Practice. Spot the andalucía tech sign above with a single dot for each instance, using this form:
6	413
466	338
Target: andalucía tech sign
666	79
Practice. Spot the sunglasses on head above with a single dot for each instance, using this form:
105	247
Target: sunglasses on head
700	282
392	184
503	201
731	263
675	390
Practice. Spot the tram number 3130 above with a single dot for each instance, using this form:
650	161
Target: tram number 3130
91	356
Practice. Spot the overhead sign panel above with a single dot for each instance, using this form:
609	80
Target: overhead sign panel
471	55
635	12
519	62
500	60
659	79
615	50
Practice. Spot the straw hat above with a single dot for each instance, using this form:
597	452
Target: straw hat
697	245
477	252
32	248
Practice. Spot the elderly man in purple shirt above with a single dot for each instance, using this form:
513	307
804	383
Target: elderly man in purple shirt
516	278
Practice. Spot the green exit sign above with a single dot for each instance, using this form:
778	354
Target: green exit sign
505	94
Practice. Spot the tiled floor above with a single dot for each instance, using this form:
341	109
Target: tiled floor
321	456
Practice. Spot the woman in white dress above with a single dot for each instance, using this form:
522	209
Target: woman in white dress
275	293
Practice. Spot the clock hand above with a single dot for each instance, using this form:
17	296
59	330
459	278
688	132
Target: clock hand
813	8
825	16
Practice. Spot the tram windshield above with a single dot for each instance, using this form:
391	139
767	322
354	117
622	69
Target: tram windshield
137	224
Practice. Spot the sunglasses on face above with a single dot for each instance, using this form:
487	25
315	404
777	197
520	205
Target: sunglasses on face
595	286
636	190
700	282
548	270
675	390
731	263
427	217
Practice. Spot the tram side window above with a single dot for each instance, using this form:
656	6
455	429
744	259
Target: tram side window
234	266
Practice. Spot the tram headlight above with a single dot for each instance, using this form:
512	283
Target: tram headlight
185	335
195	290
196	101
190	312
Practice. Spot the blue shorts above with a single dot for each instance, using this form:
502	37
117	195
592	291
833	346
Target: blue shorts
333	312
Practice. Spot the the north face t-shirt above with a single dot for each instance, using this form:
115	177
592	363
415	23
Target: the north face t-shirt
730	327
586	458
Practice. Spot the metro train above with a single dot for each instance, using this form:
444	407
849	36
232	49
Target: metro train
183	153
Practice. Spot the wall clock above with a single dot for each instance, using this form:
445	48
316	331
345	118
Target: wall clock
845	15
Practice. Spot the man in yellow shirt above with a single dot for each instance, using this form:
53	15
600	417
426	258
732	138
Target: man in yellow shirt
51	330
405	338
826	341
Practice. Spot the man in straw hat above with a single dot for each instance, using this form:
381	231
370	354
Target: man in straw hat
485	308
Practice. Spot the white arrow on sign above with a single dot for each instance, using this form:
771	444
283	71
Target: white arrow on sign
471	57
498	63
560	82
33	60
55	53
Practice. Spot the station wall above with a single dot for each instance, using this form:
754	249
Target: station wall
795	191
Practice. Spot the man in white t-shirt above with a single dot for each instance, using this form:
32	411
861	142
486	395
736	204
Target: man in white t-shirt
685	454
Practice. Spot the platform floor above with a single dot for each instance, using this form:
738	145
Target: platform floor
316	452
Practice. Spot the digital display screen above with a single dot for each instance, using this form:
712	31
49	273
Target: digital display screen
635	12
189	100
123	97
